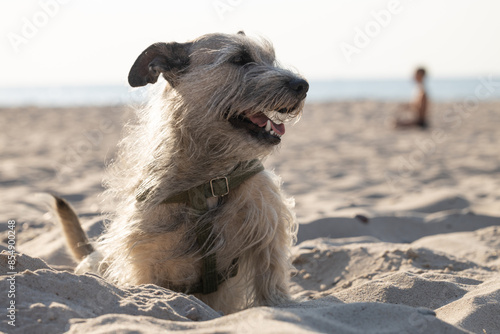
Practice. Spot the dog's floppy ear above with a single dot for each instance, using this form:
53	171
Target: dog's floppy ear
170	59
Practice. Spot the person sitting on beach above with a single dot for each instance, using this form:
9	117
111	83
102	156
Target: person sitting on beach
418	107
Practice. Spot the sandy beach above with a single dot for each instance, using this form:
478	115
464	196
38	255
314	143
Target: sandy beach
399	230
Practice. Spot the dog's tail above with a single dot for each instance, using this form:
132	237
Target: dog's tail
76	237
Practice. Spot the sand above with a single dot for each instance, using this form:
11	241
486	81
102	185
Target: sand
399	230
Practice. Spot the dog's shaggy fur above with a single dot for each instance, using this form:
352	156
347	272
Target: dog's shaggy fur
222	92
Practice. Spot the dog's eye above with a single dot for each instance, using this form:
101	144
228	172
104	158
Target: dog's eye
241	59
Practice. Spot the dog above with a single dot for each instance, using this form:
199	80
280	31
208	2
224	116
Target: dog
195	210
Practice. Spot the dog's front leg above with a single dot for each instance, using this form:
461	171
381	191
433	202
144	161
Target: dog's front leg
271	288
273	267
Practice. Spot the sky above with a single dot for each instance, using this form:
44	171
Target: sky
91	42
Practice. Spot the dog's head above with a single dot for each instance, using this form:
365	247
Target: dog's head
231	82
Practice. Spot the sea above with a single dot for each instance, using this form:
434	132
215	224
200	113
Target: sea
441	90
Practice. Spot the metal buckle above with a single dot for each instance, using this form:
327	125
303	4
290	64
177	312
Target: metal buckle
212	186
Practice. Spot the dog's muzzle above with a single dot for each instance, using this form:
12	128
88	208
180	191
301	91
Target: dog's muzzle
268	125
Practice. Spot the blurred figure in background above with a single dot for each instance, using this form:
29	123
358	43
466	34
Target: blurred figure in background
417	109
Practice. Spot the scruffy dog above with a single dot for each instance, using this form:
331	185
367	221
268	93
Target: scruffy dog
195	211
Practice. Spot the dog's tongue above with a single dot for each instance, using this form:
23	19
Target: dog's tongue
261	119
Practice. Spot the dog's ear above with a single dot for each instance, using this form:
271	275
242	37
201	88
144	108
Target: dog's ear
169	59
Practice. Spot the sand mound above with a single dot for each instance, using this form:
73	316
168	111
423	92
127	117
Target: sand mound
51	301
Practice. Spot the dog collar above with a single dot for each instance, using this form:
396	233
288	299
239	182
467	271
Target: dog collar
197	196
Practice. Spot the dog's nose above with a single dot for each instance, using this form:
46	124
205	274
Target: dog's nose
299	86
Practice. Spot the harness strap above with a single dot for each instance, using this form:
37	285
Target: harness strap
196	197
205	240
231	272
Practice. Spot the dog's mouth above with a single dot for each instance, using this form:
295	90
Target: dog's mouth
266	125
